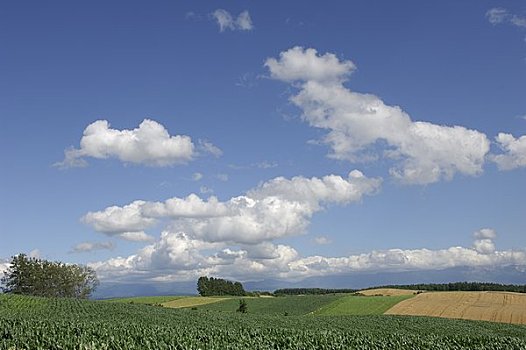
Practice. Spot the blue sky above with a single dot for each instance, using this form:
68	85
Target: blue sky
249	140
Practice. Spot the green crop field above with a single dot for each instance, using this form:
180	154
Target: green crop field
289	305
40	323
360	305
153	300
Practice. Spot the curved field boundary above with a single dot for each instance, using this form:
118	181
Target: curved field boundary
503	307
294	305
152	300
387	292
192	301
361	305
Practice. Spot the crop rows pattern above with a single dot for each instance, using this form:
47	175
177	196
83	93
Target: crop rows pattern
38	323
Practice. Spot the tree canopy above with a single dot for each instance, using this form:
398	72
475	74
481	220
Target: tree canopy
218	286
38	277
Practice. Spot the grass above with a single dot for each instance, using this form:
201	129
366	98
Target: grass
360	305
152	300
193	301
290	305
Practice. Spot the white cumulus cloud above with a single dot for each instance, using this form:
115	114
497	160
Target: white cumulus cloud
226	21
277	208
126	222
178	256
357	124
514	149
149	144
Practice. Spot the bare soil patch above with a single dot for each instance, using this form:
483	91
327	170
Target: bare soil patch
503	307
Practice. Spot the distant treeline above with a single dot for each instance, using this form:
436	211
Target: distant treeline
210	286
311	291
461	286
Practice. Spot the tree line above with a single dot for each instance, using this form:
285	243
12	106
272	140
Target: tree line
462	286
38	277
210	286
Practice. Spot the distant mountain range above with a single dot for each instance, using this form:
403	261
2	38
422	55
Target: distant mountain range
508	275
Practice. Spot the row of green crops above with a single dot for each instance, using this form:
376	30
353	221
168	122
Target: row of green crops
288	305
37	323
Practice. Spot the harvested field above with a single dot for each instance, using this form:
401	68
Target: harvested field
192	301
503	307
387	292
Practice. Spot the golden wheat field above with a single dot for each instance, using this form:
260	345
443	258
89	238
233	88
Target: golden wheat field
387	292
503	307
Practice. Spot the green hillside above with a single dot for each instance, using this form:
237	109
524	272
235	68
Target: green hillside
289	305
152	300
42	323
360	305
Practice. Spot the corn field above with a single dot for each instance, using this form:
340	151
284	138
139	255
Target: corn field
40	323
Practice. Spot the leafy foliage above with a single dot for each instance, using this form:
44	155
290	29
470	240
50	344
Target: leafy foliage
243	307
32	276
462	286
218	286
42	323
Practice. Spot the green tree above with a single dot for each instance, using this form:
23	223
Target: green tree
32	276
243	307
217	286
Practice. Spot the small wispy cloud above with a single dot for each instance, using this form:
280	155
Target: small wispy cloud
205	190
498	15
208	147
222	177
322	240
85	247
197	176
226	21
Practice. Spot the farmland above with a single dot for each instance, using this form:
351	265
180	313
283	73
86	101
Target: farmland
504	307
290	305
40	323
360	305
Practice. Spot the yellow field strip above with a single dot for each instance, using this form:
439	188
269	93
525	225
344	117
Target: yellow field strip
503	307
191	301
387	292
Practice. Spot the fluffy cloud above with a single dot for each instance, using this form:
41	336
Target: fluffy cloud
499	15
226	21
298	64
179	257
149	144
278	208
514	155
484	241
91	246
126	222
4	266
485	233
358	124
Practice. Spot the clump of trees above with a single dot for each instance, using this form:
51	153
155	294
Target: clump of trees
210	286
39	277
